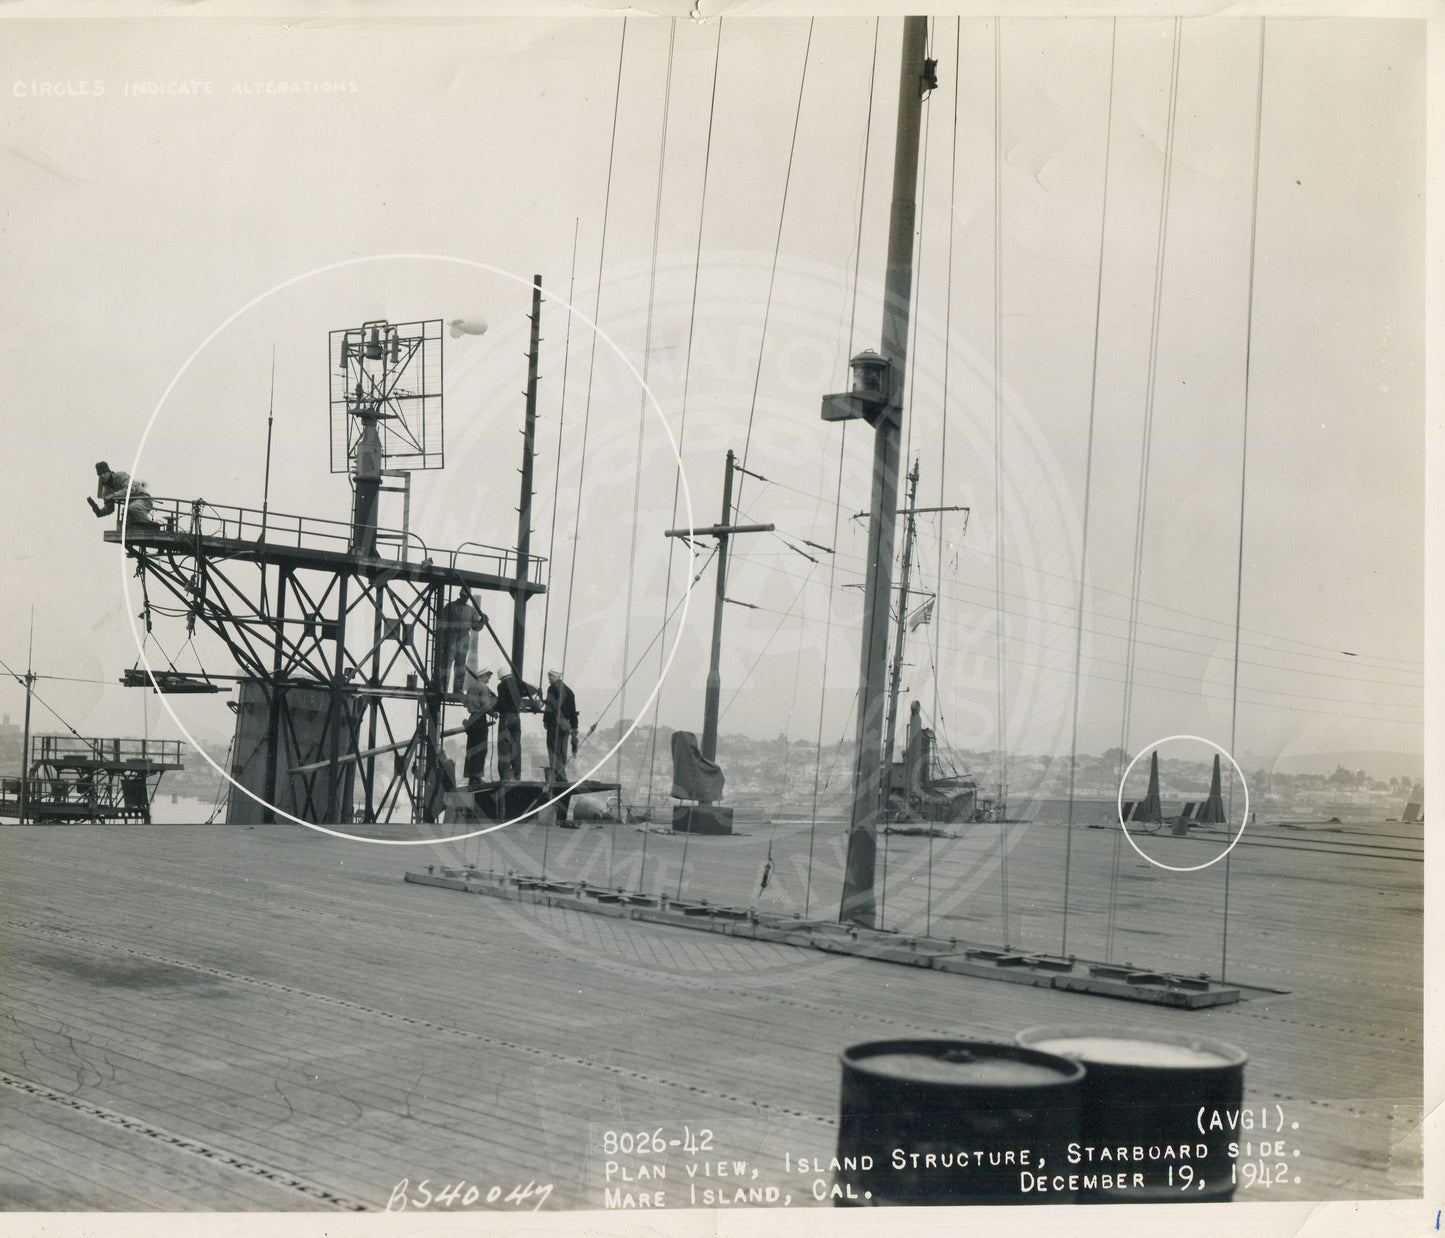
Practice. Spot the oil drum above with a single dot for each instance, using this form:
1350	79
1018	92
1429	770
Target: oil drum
954	1122
1158	1113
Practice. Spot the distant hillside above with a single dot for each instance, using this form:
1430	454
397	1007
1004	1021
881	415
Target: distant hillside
1385	765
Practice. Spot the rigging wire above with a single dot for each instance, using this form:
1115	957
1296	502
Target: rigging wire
561	425
777	249
912	355
686	382
947	342
223	787
642	413
1405	666
1035	604
1146	443
1000	664
1243	463
785	615
1088	497
35	696
792	705
656	636
1297	695
1195	693
592	358
1151	386
837	501
1046	647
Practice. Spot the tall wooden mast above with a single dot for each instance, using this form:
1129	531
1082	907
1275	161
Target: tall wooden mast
914	78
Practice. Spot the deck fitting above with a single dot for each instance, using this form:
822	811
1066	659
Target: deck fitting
1037	969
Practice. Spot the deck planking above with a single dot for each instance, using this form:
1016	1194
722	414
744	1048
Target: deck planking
285	998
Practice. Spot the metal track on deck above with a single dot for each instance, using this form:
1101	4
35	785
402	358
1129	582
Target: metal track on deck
1038	970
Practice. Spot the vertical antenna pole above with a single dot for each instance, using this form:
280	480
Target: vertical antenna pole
524	509
270	417
25	743
714	672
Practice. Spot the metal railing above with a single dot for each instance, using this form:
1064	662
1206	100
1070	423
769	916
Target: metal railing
68	749
199	518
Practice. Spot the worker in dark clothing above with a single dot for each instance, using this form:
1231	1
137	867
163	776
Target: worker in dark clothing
481	705
442	781
457	621
112	487
559	720
512	694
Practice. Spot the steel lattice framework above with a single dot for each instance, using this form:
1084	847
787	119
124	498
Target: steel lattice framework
337	652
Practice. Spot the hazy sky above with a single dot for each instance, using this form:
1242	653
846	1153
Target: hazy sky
161	176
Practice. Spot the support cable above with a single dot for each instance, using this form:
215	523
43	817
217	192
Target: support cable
999	662
35	696
686	384
1142	501
642	420
656	636
592	358
561	425
777	249
1141	509
1088	491
1243	464
785	616
842	447
937	714
1403	666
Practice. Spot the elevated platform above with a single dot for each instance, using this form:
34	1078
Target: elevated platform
186	526
70	752
78	779
171	683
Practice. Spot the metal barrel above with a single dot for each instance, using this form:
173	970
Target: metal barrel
953	1122
1159	1113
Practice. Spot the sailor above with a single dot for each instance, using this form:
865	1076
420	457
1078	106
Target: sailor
457	623
111	488
559	720
443	780
481	705
512	693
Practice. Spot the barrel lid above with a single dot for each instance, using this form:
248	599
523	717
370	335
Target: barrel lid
1133	1046
962	1063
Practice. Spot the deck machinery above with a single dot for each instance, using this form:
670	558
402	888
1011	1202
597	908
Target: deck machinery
342	697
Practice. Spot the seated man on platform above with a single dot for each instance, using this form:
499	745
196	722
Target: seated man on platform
112	487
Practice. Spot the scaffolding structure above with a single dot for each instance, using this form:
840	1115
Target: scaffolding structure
335	652
71	778
335	629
